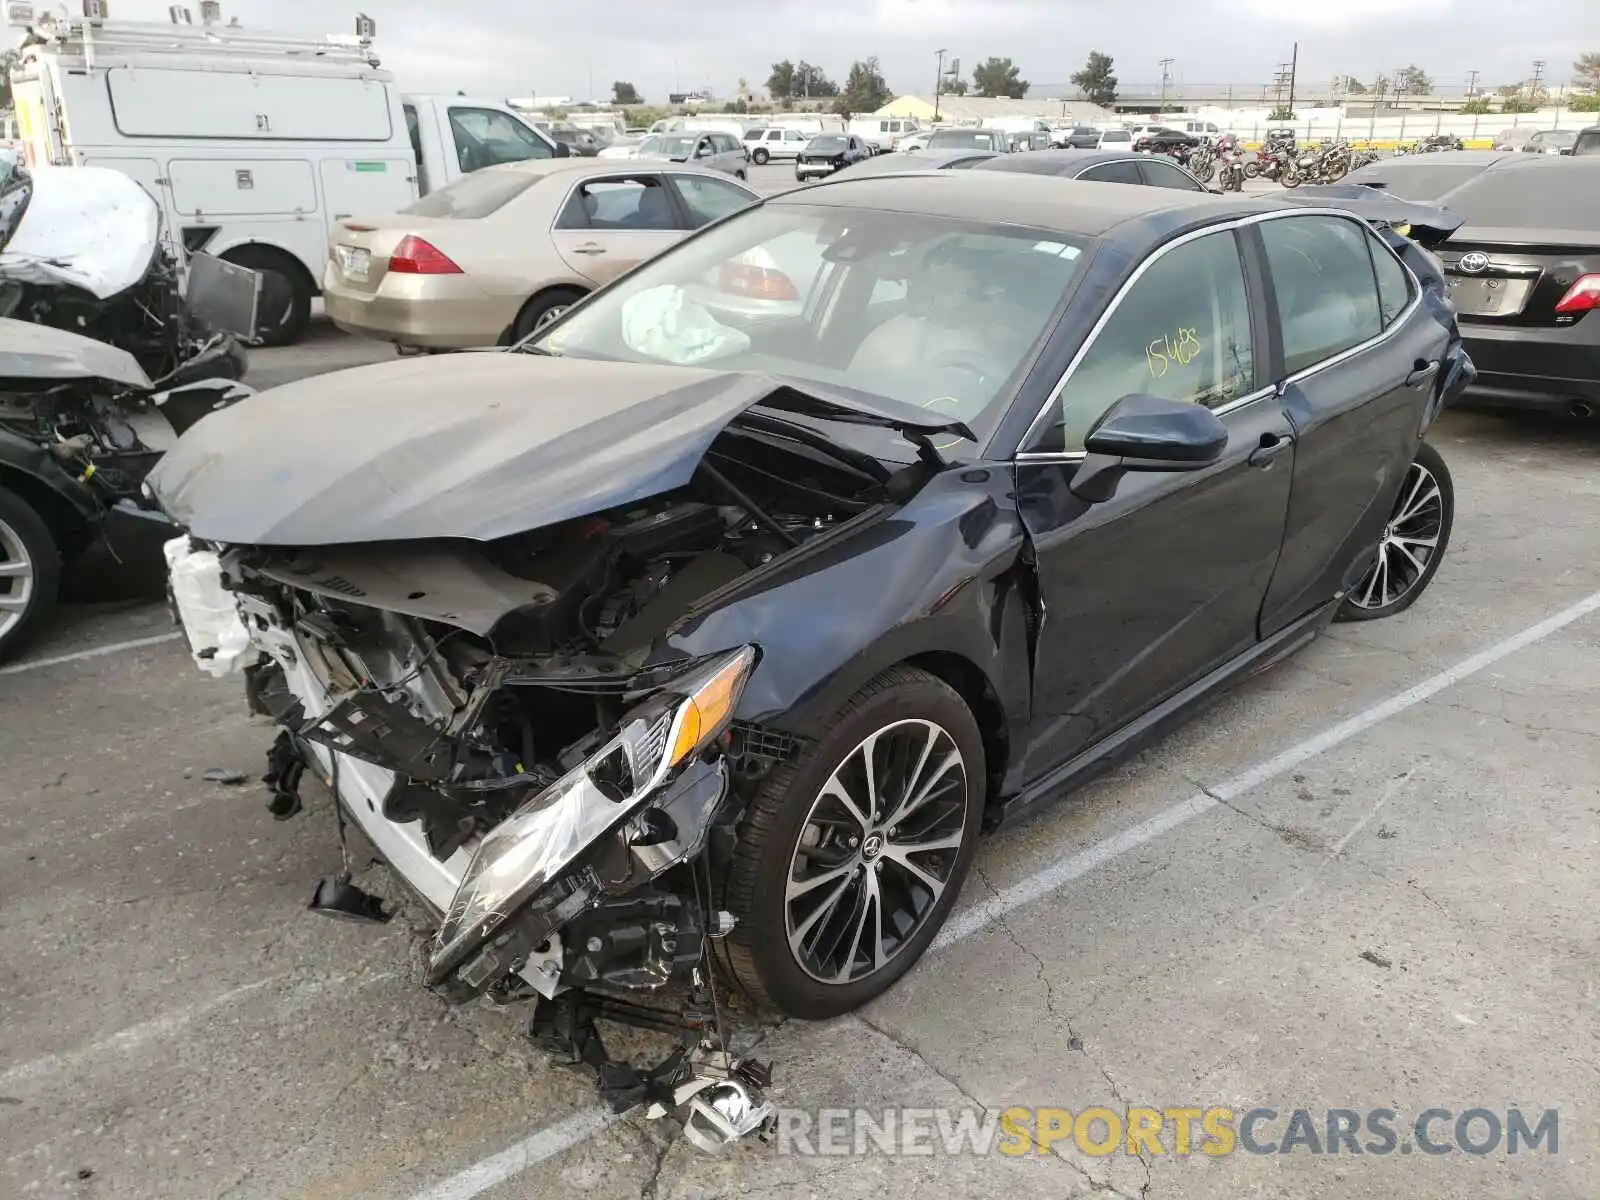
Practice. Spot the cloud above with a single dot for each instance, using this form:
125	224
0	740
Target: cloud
489	47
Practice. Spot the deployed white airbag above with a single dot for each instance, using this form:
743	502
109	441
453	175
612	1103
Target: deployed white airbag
665	324
90	227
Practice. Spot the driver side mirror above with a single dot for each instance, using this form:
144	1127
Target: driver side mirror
1147	433
563	150
702	151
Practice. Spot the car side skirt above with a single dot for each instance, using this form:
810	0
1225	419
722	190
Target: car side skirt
1176	709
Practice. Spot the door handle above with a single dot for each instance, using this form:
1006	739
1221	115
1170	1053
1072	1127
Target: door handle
589	248
1272	445
1421	372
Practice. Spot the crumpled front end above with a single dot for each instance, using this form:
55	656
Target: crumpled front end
551	810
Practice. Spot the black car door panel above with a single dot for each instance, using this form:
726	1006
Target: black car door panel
1359	374
1149	591
1146	592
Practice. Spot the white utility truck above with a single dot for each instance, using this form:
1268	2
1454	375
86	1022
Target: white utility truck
253	144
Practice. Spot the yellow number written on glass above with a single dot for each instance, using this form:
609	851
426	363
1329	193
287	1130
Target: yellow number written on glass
1181	347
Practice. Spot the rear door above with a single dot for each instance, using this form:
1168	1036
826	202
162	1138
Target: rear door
610	224
1158	172
1356	362
1147	592
1121	171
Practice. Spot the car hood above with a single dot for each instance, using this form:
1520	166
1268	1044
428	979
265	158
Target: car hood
476	446
29	351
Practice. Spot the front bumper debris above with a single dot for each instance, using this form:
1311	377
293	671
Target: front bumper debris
587	926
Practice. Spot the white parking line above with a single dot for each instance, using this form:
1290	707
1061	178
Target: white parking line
563	1135
40	664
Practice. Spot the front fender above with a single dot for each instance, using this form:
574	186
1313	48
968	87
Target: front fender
936	576
75	504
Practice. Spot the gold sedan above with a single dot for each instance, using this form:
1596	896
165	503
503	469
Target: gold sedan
500	252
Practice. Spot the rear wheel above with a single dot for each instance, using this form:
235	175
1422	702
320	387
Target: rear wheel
850	858
1252	169
1413	543
1292	178
284	308
542	309
30	570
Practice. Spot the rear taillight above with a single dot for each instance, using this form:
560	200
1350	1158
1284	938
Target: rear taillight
1581	296
413	256
758	283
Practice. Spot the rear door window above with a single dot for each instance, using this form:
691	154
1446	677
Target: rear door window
1394	281
1326	293
1113	172
709	199
630	202
1160	174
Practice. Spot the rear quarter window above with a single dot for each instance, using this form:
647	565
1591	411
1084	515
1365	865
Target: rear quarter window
473	196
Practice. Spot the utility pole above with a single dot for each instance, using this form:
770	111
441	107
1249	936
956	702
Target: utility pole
1538	77
938	81
1472	84
1166	77
1294	67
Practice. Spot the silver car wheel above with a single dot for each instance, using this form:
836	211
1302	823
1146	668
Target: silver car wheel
17	574
549	315
1409	542
876	851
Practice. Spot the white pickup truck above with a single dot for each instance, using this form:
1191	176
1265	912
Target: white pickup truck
254	145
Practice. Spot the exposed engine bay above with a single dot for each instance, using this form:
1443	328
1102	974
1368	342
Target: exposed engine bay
503	722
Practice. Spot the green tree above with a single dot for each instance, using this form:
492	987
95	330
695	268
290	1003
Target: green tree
954	86
864	88
1477	105
792	81
1589	103
1518	104
1414	81
1586	71
1281	114
623	92
1354	86
1096	81
999	77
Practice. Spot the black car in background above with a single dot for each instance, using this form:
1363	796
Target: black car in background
829	152
1428	176
1524	273
1081	137
1099	166
1588	142
1166	141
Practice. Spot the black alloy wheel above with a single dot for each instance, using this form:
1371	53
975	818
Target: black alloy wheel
1413	543
850	858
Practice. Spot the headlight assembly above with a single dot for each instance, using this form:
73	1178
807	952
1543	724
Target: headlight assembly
541	840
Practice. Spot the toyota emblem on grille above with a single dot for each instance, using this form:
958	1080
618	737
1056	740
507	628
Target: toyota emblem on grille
1473	262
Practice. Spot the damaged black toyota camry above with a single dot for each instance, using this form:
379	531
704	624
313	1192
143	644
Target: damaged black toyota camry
699	637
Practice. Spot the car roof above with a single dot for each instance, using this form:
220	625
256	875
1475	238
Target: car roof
1036	201
578	167
1055	162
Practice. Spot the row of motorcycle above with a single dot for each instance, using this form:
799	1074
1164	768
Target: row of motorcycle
1280	159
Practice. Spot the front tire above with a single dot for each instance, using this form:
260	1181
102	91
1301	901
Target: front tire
761	157
1413	543
1292	178
850	858
30	571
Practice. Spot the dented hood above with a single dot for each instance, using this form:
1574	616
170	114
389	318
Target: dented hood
477	446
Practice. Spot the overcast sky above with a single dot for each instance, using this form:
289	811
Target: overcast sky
669	45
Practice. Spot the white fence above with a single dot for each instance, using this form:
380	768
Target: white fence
1251	124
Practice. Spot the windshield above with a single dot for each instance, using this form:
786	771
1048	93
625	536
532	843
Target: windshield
929	311
1558	137
668	145
827	143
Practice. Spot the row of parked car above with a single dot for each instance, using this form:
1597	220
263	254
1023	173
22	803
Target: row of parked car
501	252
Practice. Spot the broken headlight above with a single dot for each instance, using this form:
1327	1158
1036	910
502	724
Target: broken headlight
541	840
